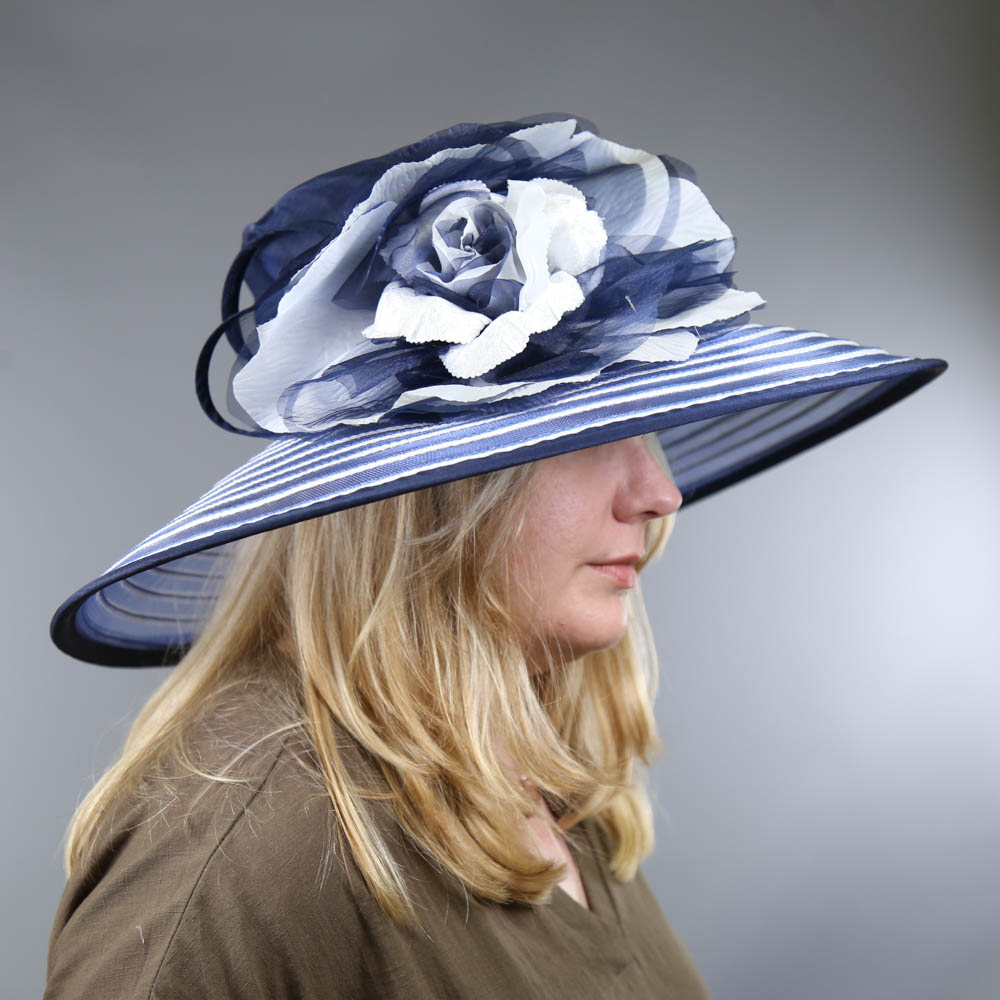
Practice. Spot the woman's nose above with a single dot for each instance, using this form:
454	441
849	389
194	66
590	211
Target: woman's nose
649	491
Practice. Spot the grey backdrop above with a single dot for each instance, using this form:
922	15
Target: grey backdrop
827	810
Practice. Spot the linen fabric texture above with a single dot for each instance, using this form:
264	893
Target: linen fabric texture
235	890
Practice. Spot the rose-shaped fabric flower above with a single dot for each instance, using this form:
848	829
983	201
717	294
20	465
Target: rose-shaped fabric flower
513	257
485	262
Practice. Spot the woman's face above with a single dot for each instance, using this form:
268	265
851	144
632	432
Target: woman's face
585	508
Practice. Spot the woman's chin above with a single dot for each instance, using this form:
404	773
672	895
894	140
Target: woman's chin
604	632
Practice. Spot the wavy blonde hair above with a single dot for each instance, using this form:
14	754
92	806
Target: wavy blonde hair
391	620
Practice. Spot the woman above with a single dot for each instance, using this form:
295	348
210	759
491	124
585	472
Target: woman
399	756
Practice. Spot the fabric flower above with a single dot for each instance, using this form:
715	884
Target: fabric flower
484	263
510	259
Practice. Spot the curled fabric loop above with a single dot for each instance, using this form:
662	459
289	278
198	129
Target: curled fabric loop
231	326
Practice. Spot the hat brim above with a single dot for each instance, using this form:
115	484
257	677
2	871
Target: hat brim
739	404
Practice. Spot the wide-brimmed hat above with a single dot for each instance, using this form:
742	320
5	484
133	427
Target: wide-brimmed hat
488	296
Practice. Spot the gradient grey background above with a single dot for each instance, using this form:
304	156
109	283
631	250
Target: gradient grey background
827	810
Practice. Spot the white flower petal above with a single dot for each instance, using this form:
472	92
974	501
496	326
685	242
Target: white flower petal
733	302
462	282
526	206
448	190
632	204
397	182
678	345
505	337
550	139
323	277
311	340
510	332
560	189
402	312
651	210
578	234
694	219
308	331
460	209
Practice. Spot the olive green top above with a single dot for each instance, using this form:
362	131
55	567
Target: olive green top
238	892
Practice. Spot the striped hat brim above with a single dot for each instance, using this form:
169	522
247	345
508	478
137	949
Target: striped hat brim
739	404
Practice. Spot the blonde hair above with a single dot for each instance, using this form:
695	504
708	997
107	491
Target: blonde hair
391	620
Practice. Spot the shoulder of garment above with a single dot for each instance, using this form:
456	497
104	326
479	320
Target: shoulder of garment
210	889
203	889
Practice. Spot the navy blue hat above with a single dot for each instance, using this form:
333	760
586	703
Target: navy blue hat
488	296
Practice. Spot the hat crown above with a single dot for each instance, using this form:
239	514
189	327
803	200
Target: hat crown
485	263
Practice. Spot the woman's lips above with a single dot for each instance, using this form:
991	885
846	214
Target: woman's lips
622	573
